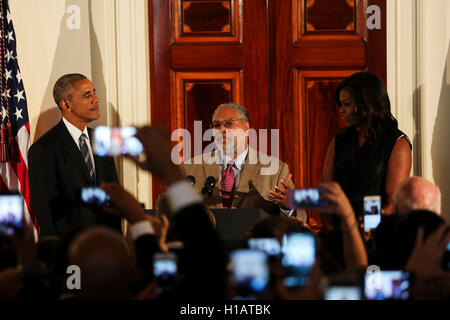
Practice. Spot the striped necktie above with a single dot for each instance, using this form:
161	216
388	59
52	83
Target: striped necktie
86	156
226	186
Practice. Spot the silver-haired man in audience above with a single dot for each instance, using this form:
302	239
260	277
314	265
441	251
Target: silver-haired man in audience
416	193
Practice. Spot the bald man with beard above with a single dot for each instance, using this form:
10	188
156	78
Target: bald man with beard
416	193
107	268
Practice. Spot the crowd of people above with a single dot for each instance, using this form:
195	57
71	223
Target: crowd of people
412	239
178	254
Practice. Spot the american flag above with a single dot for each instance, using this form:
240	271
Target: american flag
15	127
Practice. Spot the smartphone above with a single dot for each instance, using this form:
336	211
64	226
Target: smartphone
11	213
343	293
372	212
109	141
165	270
306	198
271	246
299	256
343	287
250	272
386	285
94	196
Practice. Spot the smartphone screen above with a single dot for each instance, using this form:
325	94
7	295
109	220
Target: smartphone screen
94	196
165	270
386	285
250	272
342	293
306	198
11	213
110	141
372	212
271	246
299	255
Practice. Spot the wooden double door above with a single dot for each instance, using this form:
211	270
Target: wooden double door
281	59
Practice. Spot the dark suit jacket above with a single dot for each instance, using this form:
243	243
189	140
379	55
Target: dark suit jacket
57	171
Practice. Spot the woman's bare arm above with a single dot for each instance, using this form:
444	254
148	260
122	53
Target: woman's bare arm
399	168
328	164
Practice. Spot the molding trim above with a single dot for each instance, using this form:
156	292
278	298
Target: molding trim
404	65
419	96
122	30
133	83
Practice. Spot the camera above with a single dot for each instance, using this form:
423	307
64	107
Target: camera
94	196
341	292
165	270
343	287
307	198
271	246
250	272
386	285
11	213
299	255
110	141
372	212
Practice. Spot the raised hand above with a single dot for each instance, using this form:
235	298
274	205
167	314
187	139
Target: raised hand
157	150
124	204
426	258
279	193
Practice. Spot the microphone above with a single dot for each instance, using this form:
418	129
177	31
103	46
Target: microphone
207	189
191	180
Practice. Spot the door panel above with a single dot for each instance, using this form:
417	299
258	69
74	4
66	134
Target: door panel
196	96
317	121
215	52
281	59
207	21
326	42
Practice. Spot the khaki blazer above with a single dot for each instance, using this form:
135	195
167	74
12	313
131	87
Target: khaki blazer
259	175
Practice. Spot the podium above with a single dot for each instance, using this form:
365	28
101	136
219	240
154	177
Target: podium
232	224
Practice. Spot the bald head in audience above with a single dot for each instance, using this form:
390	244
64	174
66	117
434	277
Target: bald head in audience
107	267
417	193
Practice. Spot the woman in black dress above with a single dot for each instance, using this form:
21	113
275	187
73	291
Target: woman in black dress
371	156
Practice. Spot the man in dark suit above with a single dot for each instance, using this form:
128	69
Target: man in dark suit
62	161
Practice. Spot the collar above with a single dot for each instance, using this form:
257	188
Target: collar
74	131
238	162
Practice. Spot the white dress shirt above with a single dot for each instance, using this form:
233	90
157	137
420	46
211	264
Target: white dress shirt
76	133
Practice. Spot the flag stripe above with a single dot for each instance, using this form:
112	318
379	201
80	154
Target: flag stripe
9	177
23	140
8	170
3	185
14	119
21	171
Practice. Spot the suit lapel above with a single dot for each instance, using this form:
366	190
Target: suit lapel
69	146
212	168
250	171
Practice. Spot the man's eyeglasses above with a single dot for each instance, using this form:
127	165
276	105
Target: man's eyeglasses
226	123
